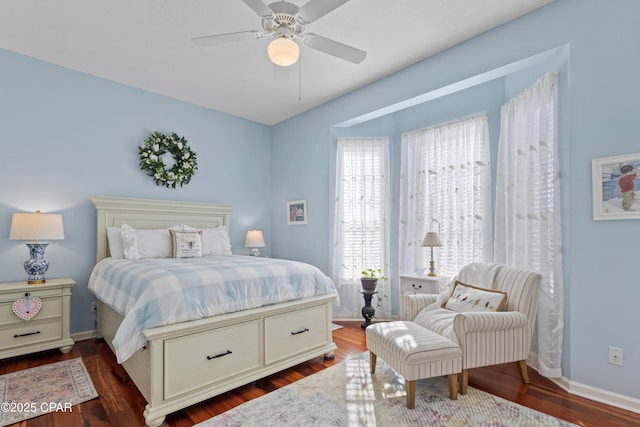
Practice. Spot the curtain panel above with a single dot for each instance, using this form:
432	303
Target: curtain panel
362	222
528	231
445	186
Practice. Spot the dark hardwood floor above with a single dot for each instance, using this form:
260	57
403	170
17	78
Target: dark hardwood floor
120	403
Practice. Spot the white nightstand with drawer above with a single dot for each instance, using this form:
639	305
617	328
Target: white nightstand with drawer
414	284
48	329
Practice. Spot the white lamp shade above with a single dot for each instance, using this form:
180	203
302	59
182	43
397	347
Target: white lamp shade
36	226
283	51
254	239
431	239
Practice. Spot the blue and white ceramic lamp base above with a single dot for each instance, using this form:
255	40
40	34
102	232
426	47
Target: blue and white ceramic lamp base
36	265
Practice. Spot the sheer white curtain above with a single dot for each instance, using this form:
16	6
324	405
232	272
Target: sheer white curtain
528	231
445	186
362	218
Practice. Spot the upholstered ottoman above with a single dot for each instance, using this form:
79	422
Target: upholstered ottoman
415	353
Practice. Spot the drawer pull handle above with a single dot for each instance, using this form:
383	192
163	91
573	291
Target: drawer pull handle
300	332
416	287
27	334
219	355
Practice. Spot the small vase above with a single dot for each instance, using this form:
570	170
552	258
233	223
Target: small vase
369	285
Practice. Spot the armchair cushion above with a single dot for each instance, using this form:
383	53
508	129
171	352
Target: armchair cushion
439	320
466	298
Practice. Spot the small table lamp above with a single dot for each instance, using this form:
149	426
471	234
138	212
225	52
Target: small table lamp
36	226
254	240
431	240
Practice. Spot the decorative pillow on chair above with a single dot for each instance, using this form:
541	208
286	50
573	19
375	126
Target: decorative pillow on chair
186	244
471	298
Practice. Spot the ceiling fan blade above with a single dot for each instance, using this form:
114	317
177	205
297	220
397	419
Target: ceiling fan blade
332	47
228	38
318	8
259	7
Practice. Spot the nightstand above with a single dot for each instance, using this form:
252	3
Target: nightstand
48	329
413	284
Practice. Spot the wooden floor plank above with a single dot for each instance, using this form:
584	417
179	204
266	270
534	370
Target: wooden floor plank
121	404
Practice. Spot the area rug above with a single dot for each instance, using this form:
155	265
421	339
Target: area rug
44	389
347	395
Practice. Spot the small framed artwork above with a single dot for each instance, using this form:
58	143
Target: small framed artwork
297	212
616	187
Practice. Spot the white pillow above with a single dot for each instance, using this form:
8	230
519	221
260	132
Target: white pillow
465	298
215	241
143	243
116	246
186	244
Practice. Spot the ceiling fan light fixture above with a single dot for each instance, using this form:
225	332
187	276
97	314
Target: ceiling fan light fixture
283	51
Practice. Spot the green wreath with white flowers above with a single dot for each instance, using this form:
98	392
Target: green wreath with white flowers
158	144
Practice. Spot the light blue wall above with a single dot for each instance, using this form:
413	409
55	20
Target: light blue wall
66	136
598	116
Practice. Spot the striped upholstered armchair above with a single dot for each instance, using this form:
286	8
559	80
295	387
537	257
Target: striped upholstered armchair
486	338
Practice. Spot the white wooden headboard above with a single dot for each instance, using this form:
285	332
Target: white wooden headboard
147	213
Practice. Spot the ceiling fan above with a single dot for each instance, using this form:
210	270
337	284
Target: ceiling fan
285	22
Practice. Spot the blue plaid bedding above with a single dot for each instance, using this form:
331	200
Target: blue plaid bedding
162	291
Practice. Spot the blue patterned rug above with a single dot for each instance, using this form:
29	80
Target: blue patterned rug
347	395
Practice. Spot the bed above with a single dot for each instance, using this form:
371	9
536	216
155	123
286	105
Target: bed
184	363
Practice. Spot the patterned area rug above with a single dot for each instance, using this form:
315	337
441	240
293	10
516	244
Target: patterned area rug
347	395
55	387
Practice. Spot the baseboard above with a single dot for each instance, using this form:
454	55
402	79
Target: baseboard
86	335
603	396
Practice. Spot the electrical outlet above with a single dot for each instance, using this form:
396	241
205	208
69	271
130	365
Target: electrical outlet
616	356
94	306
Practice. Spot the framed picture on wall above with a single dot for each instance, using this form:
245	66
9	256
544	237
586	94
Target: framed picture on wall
616	187
297	212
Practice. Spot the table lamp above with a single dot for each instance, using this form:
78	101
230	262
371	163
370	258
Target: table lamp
431	240
36	226
254	240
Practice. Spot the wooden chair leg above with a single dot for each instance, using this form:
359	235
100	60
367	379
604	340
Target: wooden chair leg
464	381
524	373
411	394
453	386
372	362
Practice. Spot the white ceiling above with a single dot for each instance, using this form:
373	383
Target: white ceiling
147	44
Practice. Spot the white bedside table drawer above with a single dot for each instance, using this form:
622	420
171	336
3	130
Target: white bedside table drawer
50	308
33	291
419	284
30	333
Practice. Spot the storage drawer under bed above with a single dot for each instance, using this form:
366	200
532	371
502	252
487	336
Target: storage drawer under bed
295	332
204	358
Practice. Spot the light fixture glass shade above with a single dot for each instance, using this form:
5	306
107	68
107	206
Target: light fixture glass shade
283	51
431	239
36	226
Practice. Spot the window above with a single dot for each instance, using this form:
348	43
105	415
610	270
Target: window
445	186
361	233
